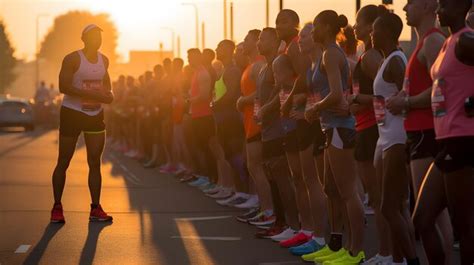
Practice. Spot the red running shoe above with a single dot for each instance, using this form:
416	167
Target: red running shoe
297	240
272	231
98	215
57	214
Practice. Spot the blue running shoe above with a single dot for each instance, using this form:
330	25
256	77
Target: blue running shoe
199	182
308	247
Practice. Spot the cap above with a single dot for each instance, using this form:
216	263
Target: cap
89	28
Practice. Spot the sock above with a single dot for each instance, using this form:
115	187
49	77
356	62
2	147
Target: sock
306	232
414	261
319	240
335	243
57	203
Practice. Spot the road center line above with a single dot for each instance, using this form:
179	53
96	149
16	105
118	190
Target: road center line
204	218
22	249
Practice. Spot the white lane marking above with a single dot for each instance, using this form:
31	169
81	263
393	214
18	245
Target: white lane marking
22	249
215	238
131	176
202	218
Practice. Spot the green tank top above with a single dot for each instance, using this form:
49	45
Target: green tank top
219	89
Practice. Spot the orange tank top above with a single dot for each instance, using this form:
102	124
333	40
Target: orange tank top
247	87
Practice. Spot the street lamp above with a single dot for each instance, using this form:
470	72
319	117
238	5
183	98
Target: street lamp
38	17
172	37
196	12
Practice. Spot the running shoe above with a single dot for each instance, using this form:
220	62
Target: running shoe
319	253
379	260
237	198
98	215
285	235
330	257
222	194
252	202
347	259
248	215
307	248
298	239
168	169
57	215
212	190
210	185
200	181
188	178
263	220
268	233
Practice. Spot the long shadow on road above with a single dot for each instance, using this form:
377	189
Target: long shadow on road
38	251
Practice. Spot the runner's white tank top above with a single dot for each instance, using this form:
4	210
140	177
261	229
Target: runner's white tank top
86	71
392	131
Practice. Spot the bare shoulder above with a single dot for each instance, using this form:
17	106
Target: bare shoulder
433	42
106	60
71	59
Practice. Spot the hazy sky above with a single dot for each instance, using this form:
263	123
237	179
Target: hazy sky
140	22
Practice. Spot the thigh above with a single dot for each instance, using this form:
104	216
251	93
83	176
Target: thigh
254	152
67	146
395	178
344	177
294	163
94	144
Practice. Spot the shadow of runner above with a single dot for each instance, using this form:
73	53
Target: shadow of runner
90	247
37	252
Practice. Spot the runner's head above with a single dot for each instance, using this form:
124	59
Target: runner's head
348	41
92	37
419	10
365	20
284	72
287	23
194	57
208	56
305	40
327	25
158	71
148	76
177	65
250	41
218	68
387	30
451	11
239	56
167	65
225	51
130	81
268	42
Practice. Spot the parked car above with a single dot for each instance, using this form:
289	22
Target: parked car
16	112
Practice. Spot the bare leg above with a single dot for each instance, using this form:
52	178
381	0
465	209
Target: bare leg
67	145
95	147
254	163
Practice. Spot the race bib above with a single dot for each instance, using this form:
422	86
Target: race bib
379	109
438	103
91	85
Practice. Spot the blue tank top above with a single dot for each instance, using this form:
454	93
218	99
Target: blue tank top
319	83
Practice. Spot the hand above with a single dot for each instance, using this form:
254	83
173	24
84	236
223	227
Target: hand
297	115
396	104
311	114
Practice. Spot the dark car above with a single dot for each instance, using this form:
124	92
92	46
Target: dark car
16	112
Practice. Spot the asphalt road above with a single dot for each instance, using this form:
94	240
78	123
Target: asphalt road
157	220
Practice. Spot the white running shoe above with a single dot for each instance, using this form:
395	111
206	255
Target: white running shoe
222	194
252	202
379	260
237	198
285	235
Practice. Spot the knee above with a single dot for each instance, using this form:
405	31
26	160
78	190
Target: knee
63	164
93	162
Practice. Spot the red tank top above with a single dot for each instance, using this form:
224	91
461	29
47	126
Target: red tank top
248	86
417	80
200	108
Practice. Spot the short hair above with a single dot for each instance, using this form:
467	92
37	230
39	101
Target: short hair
209	54
393	25
371	12
271	31
292	14
228	44
194	51
254	33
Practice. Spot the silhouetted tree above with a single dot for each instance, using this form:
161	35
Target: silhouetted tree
7	60
65	36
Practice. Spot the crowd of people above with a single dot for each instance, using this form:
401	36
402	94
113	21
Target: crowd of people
298	125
